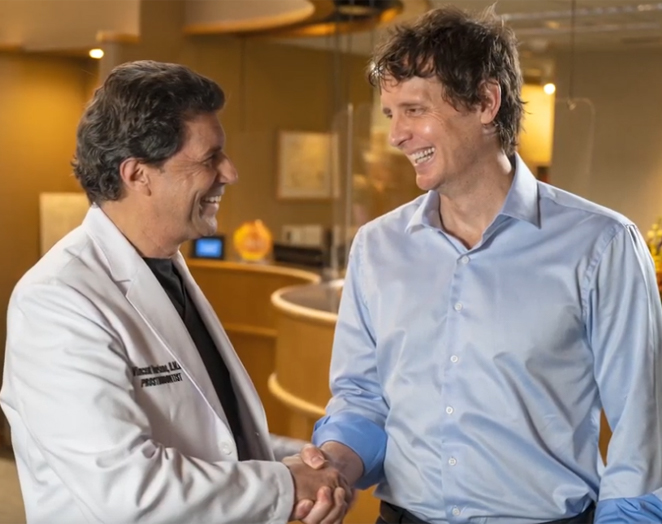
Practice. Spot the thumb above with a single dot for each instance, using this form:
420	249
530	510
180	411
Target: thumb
312	456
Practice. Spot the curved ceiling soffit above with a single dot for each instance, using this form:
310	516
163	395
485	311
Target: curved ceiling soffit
231	17
325	17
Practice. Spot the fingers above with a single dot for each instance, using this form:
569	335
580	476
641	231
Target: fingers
312	456
337	515
329	508
302	509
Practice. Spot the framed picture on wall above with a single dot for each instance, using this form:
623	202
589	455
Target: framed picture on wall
305	170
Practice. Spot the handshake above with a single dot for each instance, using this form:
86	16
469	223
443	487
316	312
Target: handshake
322	494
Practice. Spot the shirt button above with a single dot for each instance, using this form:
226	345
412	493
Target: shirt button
226	448
456	511
458	306
454	359
464	259
452	461
449	410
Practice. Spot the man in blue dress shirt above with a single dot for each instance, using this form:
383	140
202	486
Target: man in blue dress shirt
484	325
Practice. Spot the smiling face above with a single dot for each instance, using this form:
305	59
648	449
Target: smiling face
187	189
442	143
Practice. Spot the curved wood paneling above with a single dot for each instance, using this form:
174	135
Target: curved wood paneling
240	294
301	379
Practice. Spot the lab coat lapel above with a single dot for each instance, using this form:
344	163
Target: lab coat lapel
154	306
145	294
244	388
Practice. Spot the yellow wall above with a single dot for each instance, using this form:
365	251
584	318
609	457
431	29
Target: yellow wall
40	102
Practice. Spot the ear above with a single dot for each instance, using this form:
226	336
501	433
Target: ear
491	102
136	176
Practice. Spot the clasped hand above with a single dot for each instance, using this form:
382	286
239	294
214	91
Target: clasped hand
321	493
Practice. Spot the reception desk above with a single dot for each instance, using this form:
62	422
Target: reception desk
305	320
240	295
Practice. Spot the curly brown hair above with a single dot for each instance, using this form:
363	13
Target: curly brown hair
463	52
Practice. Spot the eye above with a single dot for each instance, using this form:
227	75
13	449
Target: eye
211	160
414	111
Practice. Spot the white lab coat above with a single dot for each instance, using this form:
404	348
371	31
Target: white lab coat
98	434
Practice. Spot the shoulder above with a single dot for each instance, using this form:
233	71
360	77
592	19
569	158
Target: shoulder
589	217
69	263
574	204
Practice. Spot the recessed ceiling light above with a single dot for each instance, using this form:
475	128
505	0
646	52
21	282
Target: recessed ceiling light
96	53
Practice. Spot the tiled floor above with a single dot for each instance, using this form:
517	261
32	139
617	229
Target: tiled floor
11	503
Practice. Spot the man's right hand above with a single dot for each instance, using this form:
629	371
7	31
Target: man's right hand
321	496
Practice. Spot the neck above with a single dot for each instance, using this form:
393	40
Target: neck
469	208
139	230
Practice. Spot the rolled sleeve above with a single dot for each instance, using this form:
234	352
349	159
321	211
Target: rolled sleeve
646	509
362	436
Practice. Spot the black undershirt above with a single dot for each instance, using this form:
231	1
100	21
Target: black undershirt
168	276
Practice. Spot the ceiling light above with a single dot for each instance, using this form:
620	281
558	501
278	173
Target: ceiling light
96	53
549	89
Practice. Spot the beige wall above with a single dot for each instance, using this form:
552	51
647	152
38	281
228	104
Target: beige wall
625	89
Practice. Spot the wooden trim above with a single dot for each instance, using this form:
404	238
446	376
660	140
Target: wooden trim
309	276
292	401
11	48
257	23
301	312
106	37
246	329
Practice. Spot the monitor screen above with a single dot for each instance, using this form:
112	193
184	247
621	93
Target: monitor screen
209	247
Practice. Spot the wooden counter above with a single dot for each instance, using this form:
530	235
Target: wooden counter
301	378
240	295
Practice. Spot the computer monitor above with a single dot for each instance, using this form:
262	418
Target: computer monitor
209	247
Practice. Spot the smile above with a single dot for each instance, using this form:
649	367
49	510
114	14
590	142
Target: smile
212	200
421	156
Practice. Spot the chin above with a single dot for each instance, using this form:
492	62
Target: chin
205	229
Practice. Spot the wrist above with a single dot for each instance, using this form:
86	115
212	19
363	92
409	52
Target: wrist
344	459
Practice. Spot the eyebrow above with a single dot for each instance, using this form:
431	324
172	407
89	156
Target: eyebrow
212	151
402	105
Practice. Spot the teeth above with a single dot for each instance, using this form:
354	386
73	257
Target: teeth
423	155
212	200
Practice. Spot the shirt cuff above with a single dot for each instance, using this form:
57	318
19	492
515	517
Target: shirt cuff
636	510
361	435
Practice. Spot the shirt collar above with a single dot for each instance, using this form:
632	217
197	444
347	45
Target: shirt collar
521	201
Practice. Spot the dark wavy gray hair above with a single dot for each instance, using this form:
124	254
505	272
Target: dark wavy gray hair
139	112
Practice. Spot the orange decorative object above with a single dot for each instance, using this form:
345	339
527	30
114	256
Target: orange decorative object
253	241
654	241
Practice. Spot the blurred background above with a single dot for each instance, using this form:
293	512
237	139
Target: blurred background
304	127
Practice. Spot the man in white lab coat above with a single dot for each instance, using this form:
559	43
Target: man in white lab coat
126	400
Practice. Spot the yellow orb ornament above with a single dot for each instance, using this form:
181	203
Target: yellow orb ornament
253	241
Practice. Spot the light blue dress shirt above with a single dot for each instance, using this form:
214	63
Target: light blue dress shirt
470	381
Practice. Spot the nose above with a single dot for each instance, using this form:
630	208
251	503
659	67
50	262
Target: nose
227	172
398	132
